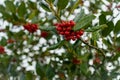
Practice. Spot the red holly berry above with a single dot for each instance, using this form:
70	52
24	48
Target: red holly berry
44	34
2	50
67	32
76	61
96	60
81	32
31	27
118	6
118	49
10	41
14	60
65	28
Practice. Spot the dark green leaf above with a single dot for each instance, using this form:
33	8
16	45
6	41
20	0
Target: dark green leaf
2	9
117	41
45	7
40	70
51	1
56	45
50	28
3	42
86	20
50	72
29	76
79	16
84	68
75	5
95	37
5	14
106	31
22	9
102	19
22	76
93	29
107	13
32	14
117	27
62	4
10	6
32	5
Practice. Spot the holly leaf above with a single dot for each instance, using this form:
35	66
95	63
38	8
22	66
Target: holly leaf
61	4
102	19
56	45
106	31
10	6
96	28
22	9
45	7
44	28
79	16
117	27
84	22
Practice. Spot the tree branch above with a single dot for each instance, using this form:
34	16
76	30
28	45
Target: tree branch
98	49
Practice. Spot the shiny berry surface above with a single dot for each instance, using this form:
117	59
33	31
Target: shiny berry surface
65	28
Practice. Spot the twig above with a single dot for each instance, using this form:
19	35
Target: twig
93	47
53	10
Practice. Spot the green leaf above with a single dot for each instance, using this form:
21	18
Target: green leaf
22	9
107	13
2	8
32	5
117	41
96	28
106	31
50	28
3	42
29	76
22	76
95	36
56	45
75	5
32	14
86	20
10	6
117	27
5	14
79	16
102	19
51	1
40	70
61	4
84	68
45	7
50	72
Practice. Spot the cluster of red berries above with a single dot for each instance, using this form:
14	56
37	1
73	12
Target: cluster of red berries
65	28
2	50
31	27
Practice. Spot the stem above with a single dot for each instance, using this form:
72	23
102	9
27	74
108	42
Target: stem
53	10
93	47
